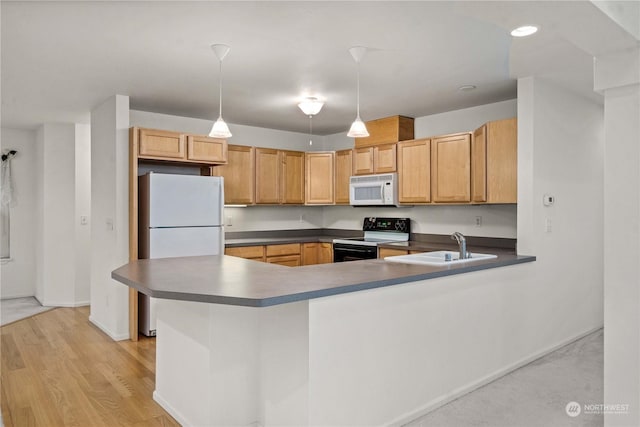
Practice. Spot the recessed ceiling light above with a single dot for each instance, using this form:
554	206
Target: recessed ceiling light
466	88
524	31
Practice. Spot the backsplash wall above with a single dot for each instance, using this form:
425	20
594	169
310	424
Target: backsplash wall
497	220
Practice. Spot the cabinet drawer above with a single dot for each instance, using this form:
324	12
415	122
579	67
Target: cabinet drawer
287	260
161	144
246	252
288	249
385	252
205	149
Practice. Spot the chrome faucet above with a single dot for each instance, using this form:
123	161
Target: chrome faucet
462	244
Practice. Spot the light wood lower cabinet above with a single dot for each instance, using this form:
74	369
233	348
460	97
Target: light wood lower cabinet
319	170
317	253
494	162
286	254
451	168
343	171
255	253
385	252
414	171
239	175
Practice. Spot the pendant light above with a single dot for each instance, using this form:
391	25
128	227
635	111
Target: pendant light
220	128
311	106
358	128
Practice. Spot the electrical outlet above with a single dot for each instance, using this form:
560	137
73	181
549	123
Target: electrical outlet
84	220
478	221
229	220
547	225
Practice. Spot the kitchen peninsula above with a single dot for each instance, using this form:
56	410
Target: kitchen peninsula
248	343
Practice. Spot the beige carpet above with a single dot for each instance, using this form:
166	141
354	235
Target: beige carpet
15	309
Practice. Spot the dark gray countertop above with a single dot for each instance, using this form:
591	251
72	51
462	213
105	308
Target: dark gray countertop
232	243
236	281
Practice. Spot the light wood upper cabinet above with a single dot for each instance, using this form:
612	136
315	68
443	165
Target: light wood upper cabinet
414	171
376	159
205	149
343	171
161	144
239	175
495	162
156	144
384	158
267	171
479	165
292	177
451	168
363	161
319	169
387	130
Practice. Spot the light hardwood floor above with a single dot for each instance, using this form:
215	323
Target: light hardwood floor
58	369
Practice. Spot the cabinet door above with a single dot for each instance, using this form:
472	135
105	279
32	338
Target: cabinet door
205	149
451	168
502	161
325	253
319	179
384	158
284	249
479	165
385	252
414	171
292	178
161	144
344	170
239	175
267	176
310	253
363	161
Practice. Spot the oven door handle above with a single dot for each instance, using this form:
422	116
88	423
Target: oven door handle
354	250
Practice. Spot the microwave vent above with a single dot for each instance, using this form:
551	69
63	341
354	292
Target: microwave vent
371	178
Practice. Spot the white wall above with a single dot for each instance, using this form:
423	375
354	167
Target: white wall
82	208
110	215
19	274
617	76
56	277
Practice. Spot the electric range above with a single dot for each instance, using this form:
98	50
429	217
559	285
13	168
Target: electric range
376	231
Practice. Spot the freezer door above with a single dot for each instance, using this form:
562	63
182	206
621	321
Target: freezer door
185	241
185	200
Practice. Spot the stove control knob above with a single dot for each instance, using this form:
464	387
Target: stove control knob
401	226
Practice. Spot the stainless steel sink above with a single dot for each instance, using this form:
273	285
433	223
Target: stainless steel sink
438	258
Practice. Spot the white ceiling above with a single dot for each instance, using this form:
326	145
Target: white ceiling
61	59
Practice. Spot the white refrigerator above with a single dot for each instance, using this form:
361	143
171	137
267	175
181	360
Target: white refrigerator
178	215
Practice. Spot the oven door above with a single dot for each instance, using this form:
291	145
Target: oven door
346	252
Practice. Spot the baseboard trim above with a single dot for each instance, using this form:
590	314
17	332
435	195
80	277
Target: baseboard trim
461	391
115	337
14	296
181	419
66	304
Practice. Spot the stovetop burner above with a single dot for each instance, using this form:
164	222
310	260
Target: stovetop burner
380	230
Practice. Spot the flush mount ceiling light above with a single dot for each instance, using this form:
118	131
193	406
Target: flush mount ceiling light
311	106
524	31
220	128
358	128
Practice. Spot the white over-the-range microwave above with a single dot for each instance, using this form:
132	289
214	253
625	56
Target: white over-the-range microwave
374	190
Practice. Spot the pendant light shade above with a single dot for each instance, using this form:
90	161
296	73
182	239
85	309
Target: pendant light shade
220	128
358	128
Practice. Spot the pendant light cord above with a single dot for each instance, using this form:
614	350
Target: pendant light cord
358	89
220	86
